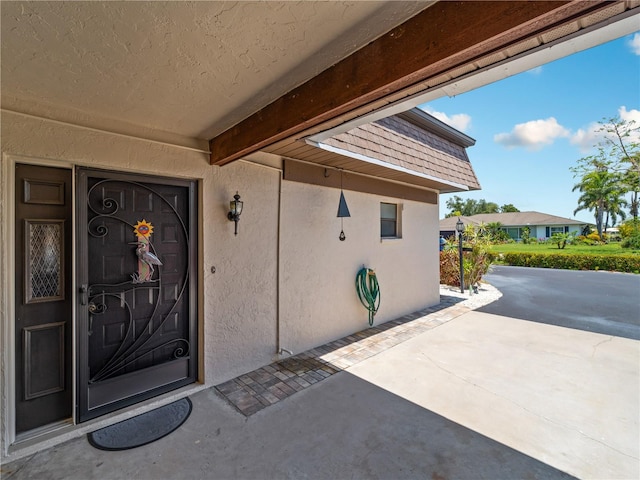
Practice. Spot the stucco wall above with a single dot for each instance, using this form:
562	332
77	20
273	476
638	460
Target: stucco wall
318	298
537	232
239	330
239	307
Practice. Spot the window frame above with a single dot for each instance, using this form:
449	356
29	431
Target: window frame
396	221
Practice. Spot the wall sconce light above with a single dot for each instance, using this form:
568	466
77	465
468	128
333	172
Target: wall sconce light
235	209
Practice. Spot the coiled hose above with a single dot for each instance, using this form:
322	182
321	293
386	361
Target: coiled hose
368	291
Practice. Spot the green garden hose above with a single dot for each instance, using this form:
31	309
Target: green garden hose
368	291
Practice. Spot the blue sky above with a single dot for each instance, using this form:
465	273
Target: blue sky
532	127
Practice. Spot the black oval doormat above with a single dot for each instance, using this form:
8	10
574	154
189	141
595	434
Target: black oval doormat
142	429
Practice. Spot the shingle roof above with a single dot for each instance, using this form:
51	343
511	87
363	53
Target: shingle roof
510	219
416	142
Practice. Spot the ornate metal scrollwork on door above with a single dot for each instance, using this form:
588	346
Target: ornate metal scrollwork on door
137	311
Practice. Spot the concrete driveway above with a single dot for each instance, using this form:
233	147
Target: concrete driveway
601	302
478	396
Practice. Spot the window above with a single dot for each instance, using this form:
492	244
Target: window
553	230
390	220
513	232
516	233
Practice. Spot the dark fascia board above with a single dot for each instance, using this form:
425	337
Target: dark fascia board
423	120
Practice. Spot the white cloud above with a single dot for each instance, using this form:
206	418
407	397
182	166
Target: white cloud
533	135
459	121
629	115
634	43
588	137
535	71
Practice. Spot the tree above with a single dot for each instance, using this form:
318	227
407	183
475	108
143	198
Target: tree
459	207
508	207
596	188
631	179
606	177
483	206
455	205
496	233
613	205
561	239
622	140
617	164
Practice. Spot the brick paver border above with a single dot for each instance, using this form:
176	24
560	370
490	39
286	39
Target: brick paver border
256	390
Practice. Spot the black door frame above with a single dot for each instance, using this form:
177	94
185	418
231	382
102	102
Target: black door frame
83	412
8	167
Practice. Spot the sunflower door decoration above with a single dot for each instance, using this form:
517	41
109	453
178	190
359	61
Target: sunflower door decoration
147	260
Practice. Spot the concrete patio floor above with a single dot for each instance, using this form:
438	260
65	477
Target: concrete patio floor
566	397
472	396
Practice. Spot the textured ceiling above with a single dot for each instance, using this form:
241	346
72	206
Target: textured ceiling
190	68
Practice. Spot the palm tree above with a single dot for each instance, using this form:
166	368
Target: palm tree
495	231
619	154
613	205
596	190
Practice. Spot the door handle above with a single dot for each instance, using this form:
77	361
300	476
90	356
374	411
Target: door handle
84	290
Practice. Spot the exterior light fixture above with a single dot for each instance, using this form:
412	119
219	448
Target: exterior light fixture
343	211
235	209
460	230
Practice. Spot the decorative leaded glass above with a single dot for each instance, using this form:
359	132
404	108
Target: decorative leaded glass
44	261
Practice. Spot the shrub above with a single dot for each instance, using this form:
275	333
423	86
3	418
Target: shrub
629	228
582	240
632	242
617	263
449	270
500	236
475	264
562	239
594	237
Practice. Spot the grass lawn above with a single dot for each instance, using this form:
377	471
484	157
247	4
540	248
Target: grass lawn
608	249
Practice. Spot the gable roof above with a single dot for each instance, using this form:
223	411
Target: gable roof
414	144
510	219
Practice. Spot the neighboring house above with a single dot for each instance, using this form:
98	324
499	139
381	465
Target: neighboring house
540	225
127	129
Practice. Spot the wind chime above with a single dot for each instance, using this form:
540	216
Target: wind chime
343	211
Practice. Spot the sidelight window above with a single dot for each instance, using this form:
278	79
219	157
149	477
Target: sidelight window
44	261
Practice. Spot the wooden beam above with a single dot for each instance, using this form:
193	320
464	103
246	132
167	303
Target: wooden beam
440	38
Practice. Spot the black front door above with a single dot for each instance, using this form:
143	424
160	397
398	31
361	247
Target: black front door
137	311
43	296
